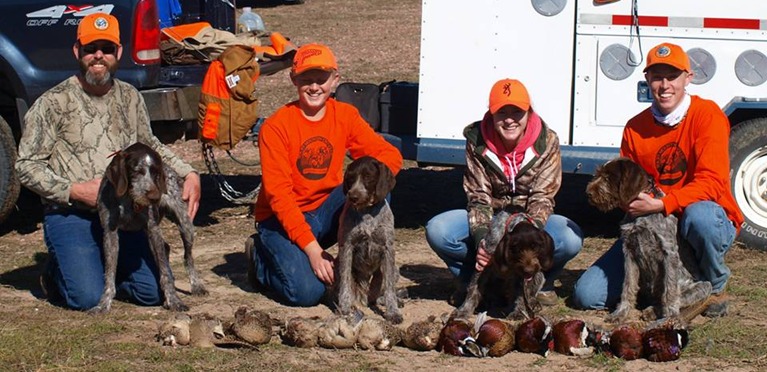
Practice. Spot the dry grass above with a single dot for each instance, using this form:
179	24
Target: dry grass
375	41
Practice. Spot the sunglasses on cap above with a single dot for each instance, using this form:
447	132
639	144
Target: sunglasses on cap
104	48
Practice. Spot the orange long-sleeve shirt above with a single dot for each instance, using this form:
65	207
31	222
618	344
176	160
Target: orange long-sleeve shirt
690	161
302	161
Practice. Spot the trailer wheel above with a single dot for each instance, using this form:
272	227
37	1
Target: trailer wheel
9	182
748	176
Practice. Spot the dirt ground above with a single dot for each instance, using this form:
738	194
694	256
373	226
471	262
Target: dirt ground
375	41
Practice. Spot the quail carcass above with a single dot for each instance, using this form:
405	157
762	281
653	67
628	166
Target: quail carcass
423	335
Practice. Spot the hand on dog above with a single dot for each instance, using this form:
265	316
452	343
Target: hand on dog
191	193
85	192
483	258
321	262
645	204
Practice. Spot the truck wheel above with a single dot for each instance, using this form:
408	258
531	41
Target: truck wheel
748	176
9	182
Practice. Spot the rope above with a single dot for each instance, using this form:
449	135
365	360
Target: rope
635	27
227	191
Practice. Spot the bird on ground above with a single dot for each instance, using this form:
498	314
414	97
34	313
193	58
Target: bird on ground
377	334
533	336
302	331
339	331
495	337
251	326
423	335
457	338
663	341
571	337
626	342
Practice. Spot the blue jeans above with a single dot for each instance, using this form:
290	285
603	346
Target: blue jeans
283	266
448	235
75	240
704	225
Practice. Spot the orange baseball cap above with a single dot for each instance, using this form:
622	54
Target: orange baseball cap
508	92
98	26
668	54
313	56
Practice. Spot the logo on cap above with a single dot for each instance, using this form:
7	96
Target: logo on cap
663	51
507	89
101	23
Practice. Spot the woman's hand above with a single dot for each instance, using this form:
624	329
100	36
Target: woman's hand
321	262
483	258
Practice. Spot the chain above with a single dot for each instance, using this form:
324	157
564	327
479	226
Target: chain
227	191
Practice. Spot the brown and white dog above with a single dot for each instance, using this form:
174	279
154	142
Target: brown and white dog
520	252
137	191
365	263
656	266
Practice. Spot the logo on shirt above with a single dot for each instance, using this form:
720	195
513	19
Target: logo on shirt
671	164
314	159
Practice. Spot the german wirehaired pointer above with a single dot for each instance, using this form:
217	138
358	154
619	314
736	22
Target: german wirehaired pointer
520	252
366	264
136	192
657	267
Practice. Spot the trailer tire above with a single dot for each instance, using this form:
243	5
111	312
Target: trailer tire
9	182
748	178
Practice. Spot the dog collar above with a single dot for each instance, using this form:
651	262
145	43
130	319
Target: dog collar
516	218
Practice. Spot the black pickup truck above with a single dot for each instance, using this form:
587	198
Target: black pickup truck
36	38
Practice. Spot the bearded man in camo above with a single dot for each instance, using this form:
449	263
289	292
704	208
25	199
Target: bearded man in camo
70	133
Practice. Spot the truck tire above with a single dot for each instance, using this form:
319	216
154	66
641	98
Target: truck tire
9	182
748	178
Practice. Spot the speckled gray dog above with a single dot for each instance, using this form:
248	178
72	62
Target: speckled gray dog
137	191
366	240
655	264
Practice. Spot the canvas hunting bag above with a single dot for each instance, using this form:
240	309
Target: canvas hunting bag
228	104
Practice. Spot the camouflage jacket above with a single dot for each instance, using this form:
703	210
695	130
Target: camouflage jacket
69	136
488	191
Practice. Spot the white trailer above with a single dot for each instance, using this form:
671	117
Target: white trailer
582	62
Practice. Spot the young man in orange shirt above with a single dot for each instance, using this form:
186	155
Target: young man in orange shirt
682	142
302	148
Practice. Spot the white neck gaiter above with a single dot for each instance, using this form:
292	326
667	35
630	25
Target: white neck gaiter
674	117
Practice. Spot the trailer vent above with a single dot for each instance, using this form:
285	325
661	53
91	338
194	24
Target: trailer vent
703	65
751	68
549	8
615	62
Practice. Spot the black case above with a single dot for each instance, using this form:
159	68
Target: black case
365	97
399	108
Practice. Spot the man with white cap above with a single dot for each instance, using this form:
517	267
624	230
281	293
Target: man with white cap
681	141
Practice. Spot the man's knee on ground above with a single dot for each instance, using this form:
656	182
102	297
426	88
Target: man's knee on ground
304	294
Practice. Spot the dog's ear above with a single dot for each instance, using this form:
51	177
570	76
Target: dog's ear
160	180
546	251
386	181
632	180
117	174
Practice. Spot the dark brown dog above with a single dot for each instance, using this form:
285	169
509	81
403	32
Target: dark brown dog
521	252
366	240
656	266
137	191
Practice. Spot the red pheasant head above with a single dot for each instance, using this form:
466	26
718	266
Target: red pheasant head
457	338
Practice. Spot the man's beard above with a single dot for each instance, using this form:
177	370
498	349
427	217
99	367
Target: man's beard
98	79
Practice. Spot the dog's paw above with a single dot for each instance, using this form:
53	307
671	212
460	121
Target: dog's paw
99	309
176	306
617	316
199	290
394	318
